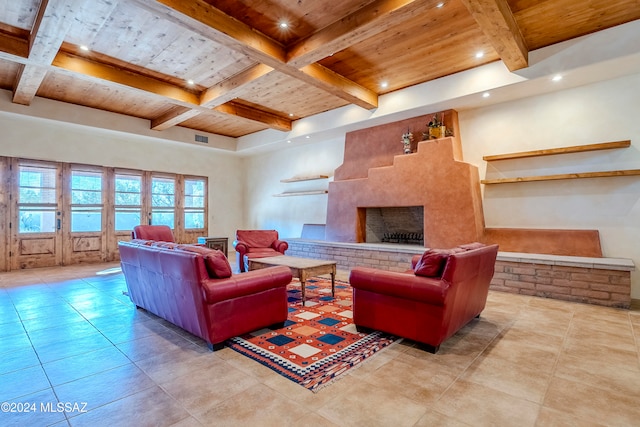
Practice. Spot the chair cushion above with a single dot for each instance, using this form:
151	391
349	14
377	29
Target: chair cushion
432	262
217	264
472	246
257	238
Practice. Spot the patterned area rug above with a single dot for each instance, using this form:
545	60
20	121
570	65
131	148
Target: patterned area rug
319	341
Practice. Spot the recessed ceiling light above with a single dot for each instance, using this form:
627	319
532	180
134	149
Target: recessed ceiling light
384	85
190	82
289	142
557	78
84	47
283	24
307	137
290	114
439	5
479	54
486	95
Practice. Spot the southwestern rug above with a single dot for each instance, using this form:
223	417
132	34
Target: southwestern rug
319	341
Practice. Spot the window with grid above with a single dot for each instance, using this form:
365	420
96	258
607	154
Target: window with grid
127	201
86	201
37	199
163	201
194	194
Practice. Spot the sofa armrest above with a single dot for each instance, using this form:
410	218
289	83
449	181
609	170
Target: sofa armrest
240	246
280	246
402	285
251	282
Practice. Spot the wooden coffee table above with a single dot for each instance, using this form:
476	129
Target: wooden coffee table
303	268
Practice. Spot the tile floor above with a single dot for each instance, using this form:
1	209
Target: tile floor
71	340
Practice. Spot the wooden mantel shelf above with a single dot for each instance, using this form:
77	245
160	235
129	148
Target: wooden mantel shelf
561	150
305	178
301	193
604	174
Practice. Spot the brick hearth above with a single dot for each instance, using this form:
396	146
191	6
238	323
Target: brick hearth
600	281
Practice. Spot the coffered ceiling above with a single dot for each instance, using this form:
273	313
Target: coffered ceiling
235	67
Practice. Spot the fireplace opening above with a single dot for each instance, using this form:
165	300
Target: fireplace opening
403	225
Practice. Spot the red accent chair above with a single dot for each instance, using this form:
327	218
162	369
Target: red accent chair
161	233
193	287
443	292
257	244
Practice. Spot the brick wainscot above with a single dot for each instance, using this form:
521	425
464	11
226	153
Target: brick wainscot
600	281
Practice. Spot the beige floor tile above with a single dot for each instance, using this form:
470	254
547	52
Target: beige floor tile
16	384
514	379
619	338
479	405
592	403
434	418
152	345
624	379
518	350
38	412
365	405
178	362
257	405
104	387
150	407
593	351
205	388
423	385
551	418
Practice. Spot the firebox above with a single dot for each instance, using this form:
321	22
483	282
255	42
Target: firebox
395	225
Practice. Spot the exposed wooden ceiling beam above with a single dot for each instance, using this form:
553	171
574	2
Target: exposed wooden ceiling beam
230	88
498	23
51	25
201	17
173	117
13	48
96	70
274	121
362	24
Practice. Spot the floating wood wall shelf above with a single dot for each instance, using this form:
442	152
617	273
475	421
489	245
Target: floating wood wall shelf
305	178
301	193
561	150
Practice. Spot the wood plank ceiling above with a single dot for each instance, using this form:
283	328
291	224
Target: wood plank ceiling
248	72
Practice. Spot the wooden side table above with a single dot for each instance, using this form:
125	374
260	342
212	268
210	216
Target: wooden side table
219	243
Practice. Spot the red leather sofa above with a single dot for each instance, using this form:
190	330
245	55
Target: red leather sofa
192	287
153	232
428	304
257	244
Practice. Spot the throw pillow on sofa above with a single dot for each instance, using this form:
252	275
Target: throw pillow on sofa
217	264
432	262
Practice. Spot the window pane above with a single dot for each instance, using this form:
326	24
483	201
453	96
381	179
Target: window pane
37	220
128	190
163	217
86	219
86	197
82	180
194	219
126	219
37	185
194	193
162	192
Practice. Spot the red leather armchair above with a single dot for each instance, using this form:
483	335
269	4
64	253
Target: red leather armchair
445	290
160	233
257	244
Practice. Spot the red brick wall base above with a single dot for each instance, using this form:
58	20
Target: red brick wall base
551	277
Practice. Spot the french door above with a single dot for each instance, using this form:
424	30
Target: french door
36	214
55	213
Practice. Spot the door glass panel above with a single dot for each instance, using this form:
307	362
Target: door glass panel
194	193
128	201
36	199
163	201
86	201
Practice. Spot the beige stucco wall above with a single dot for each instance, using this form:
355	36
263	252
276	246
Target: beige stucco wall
35	138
